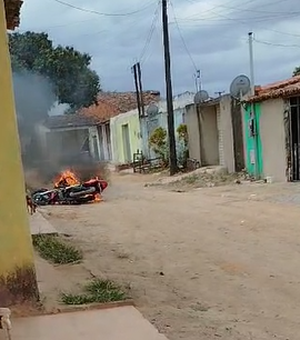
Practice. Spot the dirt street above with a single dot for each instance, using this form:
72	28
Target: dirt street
214	263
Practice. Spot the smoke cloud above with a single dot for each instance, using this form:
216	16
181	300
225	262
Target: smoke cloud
35	101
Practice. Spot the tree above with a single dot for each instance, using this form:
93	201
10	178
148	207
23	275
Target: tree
296	71
66	69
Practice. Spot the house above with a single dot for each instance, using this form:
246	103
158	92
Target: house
125	127
16	257
126	136
91	131
215	133
67	136
272	134
158	117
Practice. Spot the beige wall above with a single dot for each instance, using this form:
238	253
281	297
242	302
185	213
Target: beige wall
209	137
273	139
225	129
217	143
193	132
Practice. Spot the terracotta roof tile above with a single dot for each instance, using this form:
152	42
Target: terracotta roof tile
12	12
111	104
285	88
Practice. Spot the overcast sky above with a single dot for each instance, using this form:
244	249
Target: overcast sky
211	37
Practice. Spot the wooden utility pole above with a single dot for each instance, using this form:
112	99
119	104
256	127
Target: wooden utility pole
169	94
139	72
138	99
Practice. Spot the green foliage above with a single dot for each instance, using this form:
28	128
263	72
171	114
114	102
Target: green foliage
158	143
96	291
55	249
182	133
296	71
183	151
68	70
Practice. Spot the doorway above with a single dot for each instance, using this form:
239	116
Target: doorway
295	138
126	143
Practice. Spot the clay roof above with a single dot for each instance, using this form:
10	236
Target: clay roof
12	12
281	89
111	104
69	121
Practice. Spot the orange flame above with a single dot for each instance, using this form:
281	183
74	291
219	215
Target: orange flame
66	178
98	198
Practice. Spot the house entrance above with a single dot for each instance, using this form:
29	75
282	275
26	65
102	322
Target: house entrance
295	138
126	143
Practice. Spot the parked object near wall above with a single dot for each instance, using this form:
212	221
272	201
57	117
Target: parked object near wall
221	133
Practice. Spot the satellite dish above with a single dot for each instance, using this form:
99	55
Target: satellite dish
240	86
201	97
152	110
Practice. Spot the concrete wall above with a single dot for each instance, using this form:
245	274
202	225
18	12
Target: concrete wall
62	143
132	119
209	139
217	134
192	124
17	272
226	134
103	131
149	124
273	139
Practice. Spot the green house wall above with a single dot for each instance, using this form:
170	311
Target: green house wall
253	142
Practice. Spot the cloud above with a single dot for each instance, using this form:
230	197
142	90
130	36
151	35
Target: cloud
211	35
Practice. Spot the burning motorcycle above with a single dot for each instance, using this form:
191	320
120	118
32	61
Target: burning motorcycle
69	190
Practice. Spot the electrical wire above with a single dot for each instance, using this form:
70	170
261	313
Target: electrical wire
150	54
244	22
182	38
258	11
269	43
103	13
151	31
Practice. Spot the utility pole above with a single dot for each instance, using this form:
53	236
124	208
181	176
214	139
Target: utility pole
250	35
253	113
169	94
139	72
198	81
135	74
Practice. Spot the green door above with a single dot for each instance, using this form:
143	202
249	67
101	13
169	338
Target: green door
254	159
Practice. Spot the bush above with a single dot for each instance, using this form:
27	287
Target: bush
182	150
158	143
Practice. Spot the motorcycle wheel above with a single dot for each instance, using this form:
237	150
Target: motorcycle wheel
40	199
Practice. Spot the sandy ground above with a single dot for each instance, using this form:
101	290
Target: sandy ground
214	263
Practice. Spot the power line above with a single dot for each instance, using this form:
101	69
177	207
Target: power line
244	22
251	20
269	43
182	38
258	11
103	13
151	31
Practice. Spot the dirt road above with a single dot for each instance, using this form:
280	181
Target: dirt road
214	263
